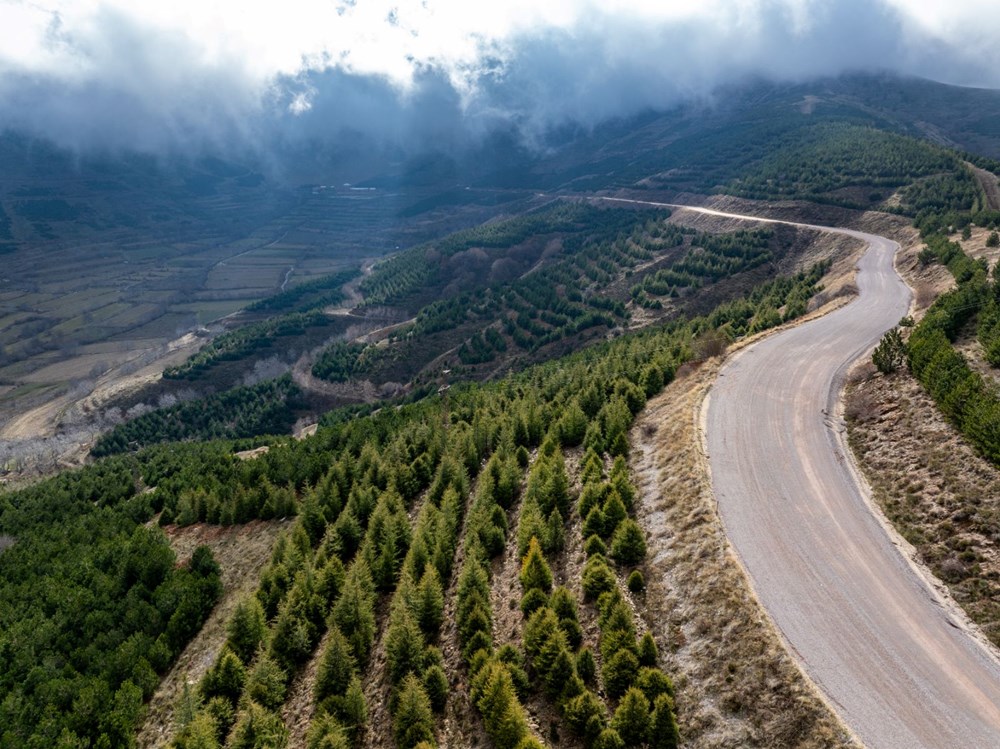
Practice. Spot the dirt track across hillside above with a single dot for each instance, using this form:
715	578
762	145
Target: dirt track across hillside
988	182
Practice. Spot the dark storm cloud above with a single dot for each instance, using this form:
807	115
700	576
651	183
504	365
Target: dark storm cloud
135	90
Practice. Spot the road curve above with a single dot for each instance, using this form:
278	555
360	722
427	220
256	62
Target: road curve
900	669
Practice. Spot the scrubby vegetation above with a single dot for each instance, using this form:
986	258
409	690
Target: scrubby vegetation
94	608
255	338
379	595
969	400
455	466
717	256
292	314
571	291
267	408
819	161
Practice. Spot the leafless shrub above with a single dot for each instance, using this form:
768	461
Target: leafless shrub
924	296
861	406
139	409
952	569
709	344
685	369
848	289
266	369
166	400
817	301
861	373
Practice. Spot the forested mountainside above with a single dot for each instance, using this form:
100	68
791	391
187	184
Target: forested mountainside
458	552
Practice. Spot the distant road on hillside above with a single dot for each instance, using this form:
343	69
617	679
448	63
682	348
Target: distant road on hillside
901	666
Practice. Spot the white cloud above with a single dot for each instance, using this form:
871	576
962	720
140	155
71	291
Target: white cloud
149	74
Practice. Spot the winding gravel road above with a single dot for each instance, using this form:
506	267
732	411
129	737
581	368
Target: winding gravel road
898	666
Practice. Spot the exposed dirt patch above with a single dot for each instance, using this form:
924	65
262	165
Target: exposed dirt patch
942	496
241	551
975	245
252	454
299	707
736	683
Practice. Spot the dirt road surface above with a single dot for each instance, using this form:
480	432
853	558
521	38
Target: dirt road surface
894	656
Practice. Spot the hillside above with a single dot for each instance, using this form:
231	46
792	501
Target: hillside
466	541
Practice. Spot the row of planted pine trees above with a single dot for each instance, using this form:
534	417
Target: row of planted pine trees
382	592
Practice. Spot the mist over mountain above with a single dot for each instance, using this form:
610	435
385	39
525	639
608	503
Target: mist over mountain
405	79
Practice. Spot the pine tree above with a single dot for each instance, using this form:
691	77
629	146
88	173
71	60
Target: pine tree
530	742
224	679
890	354
201	733
608	739
653	682
555	534
188	704
628	546
585	715
502	713
541	627
312	518
535	572
614	513
353	710
247	628
336	666
620	671
330	580
632	719
594	545
597	577
664	733
559	673
436	685
266	682
429	602
256	727
533	600
572	425
413	720
593	495
354	611
325	732
586	666
563	603
636	582
648	652
404	645
530	525
593	525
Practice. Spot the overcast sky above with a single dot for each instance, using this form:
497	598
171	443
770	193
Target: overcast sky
204	73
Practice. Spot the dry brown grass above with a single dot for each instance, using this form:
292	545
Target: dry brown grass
941	495
737	686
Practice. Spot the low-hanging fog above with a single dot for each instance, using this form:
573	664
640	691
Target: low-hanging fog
210	76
